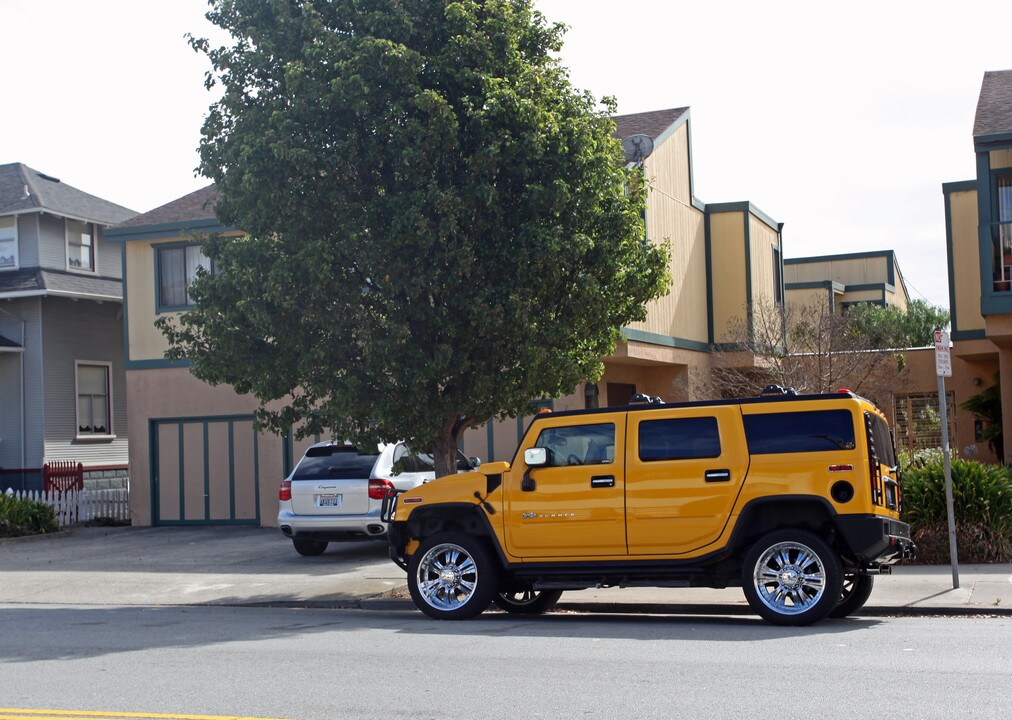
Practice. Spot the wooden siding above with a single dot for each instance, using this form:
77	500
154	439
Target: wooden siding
727	246
146	341
848	271
807	297
965	261
108	259
762	240
28	309
28	240
81	330
670	217
52	242
874	296
1000	159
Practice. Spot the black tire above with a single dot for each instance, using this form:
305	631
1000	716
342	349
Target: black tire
309	548
856	591
452	576
792	577
527	602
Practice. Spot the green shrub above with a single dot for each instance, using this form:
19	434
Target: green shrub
982	502
25	517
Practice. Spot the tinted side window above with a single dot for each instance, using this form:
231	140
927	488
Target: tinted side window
334	463
406	460
796	432
882	438
579	444
679	439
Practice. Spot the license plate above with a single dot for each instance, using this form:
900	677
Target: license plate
329	501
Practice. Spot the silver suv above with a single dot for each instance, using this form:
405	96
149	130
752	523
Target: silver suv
336	490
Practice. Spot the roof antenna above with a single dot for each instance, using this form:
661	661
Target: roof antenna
637	149
25	193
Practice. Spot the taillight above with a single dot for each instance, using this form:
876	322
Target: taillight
379	488
285	493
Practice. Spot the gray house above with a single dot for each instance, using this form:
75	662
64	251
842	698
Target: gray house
62	382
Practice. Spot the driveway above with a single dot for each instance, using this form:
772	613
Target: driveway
186	566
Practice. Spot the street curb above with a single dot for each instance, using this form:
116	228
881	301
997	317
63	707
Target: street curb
388	604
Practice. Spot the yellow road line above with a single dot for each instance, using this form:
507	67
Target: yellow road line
26	714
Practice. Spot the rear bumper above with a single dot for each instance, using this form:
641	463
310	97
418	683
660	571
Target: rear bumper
331	527
876	540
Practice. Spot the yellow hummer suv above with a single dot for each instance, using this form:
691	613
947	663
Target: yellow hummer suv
795	498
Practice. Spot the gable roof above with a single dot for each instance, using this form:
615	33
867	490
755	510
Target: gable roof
994	107
652	123
198	205
23	189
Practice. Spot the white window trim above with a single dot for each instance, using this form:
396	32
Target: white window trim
17	247
92	437
93	270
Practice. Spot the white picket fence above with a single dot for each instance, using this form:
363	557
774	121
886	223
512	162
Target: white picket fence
78	506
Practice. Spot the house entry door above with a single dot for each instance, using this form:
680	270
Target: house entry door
205	471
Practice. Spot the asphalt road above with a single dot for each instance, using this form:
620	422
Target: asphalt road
316	664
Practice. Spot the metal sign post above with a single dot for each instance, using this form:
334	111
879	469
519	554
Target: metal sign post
943	369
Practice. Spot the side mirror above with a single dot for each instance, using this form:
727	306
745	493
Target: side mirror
536	457
475	461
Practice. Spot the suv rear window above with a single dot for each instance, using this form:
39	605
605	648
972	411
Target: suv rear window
679	439
334	463
798	432
883	439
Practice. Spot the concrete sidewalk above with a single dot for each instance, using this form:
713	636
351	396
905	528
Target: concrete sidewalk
258	566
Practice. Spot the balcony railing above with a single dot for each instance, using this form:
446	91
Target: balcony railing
1001	240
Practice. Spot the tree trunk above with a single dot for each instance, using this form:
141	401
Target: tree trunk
445	450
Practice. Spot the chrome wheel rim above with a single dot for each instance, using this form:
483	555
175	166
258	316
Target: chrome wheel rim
447	576
789	578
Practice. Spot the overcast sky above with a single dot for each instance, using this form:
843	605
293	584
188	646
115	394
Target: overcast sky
840	120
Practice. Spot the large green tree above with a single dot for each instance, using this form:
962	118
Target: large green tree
438	226
894	327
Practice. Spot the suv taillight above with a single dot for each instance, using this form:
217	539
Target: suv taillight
285	493
379	488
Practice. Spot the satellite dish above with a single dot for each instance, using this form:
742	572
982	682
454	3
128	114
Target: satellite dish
637	148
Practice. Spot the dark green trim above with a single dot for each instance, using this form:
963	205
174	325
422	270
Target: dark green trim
815	285
968	335
182	475
180	422
490	440
126	309
207	474
959	186
664	340
840	256
708	246
231	471
995	141
157	248
287	451
749	297
884	287
155	364
744	206
947	189
991	302
184	229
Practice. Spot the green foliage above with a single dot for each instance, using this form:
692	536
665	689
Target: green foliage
982	501
439	226
21	516
986	405
892	327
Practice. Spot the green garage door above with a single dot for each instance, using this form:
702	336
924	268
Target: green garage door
205	471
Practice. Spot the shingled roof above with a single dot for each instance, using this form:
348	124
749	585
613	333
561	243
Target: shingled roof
198	205
994	107
34	281
23	189
652	123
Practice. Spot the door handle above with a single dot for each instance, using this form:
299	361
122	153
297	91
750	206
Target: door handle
717	476
602	481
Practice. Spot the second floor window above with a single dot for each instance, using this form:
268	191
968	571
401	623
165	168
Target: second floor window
80	245
177	267
8	242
